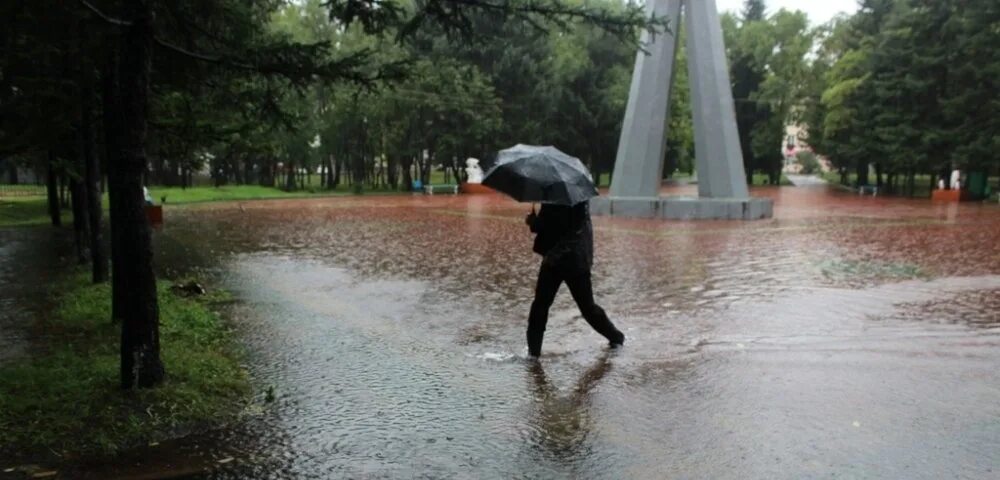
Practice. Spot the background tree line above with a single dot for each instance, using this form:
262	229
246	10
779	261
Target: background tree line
907	88
515	84
902	89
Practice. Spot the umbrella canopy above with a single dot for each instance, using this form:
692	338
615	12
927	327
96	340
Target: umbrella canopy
531	173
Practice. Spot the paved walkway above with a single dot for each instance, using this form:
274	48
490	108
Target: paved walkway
805	180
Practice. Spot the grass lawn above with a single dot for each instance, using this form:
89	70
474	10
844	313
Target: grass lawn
922	183
24	211
65	397
178	195
27	211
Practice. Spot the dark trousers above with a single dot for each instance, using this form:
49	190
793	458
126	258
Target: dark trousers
577	278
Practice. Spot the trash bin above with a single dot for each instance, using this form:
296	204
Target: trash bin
154	213
977	184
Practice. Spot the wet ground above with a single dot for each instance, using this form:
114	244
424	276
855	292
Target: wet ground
850	337
29	259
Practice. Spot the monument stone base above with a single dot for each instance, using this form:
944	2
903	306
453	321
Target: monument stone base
683	208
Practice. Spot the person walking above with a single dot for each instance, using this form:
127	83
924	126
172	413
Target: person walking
564	237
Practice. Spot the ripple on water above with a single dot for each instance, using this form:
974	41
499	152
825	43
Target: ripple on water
838	339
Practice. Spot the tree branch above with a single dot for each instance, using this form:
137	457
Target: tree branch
347	68
106	18
187	53
457	16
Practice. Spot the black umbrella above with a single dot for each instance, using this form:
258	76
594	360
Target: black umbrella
530	173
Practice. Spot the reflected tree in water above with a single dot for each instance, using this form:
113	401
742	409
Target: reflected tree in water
562	423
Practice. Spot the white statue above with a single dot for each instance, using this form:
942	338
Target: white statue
956	182
472	170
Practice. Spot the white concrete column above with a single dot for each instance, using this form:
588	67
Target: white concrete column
717	144
641	147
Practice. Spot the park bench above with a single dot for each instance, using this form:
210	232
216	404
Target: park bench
863	189
430	189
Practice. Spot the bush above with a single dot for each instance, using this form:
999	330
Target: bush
808	161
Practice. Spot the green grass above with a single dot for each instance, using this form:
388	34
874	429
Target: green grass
29	190
921	184
65	398
178	195
26	211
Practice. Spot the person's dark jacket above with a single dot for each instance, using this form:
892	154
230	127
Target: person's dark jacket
564	233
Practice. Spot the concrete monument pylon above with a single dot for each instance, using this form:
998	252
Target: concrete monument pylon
722	186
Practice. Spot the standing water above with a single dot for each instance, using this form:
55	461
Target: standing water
848	337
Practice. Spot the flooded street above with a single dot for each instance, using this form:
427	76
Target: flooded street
849	337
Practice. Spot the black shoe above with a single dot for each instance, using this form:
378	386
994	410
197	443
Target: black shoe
617	343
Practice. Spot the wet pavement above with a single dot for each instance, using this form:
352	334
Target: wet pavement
805	180
848	337
31	260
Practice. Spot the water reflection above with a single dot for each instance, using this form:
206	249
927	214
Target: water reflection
560	423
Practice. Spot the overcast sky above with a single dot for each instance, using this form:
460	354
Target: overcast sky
819	11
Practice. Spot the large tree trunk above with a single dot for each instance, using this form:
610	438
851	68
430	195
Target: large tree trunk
63	190
407	173
290	176
337	167
158	170
12	168
392	172
358	172
426	167
132	238
247	169
77	192
862	172
52	188
92	181
111	117
330	181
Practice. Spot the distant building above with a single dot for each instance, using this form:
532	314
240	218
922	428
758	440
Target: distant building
795	141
